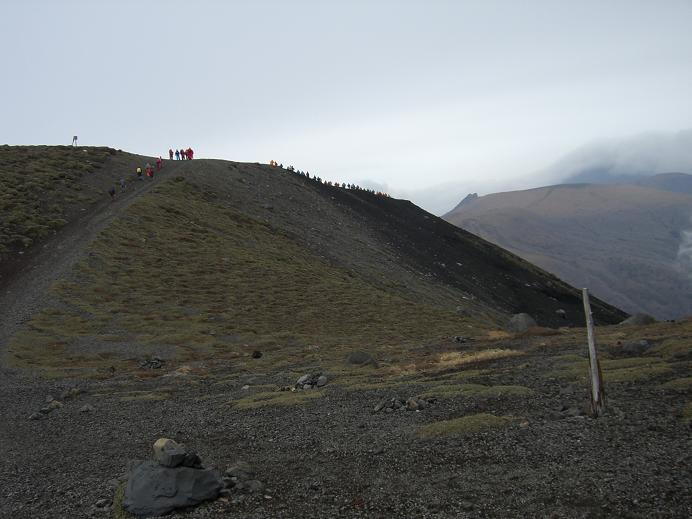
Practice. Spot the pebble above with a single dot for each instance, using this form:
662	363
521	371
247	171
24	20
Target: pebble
87	408
103	503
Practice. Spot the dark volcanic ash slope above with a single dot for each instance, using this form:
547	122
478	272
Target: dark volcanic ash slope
622	241
395	244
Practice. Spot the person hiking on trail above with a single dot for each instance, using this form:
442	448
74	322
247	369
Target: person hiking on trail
139	173
122	184
159	164
177	155
182	154
111	191
189	153
170	154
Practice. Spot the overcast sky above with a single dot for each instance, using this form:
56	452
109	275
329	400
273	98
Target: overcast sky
470	95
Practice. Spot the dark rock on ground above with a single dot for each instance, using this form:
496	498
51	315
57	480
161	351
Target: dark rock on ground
152	363
636	347
153	489
256	354
520	323
310	381
361	358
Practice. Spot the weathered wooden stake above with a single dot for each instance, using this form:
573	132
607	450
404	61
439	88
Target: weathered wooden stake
597	391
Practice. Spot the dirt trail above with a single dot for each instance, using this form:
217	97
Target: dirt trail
25	292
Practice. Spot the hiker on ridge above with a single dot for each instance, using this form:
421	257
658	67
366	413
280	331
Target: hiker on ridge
170	154
177	155
182	154
139	173
159	164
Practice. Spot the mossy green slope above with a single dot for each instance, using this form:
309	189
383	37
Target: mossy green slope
39	185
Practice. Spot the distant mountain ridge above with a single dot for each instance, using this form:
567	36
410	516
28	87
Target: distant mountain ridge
621	240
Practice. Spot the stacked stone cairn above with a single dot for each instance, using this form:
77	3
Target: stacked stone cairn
175	479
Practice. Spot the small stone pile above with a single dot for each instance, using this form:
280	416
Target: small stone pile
241	478
52	404
176	479
152	363
415	403
311	381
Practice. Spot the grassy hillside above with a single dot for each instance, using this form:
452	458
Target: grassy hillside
183	275
40	186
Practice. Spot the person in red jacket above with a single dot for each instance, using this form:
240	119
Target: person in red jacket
159	164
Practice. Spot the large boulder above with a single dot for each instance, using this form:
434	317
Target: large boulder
153	489
520	323
638	320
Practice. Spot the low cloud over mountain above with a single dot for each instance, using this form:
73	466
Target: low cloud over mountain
618	160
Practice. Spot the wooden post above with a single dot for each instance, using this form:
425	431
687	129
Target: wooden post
597	391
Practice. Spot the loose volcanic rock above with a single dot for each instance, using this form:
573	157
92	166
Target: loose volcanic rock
169	453
240	477
52	406
310	381
415	403
152	363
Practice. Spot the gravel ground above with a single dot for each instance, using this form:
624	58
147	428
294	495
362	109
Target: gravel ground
334	457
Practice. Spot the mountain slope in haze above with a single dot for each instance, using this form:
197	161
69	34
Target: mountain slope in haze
622	241
221	254
673	182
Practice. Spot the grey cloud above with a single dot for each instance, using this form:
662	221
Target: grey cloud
611	160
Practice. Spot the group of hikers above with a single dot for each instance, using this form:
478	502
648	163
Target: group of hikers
188	154
317	179
181	154
148	171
